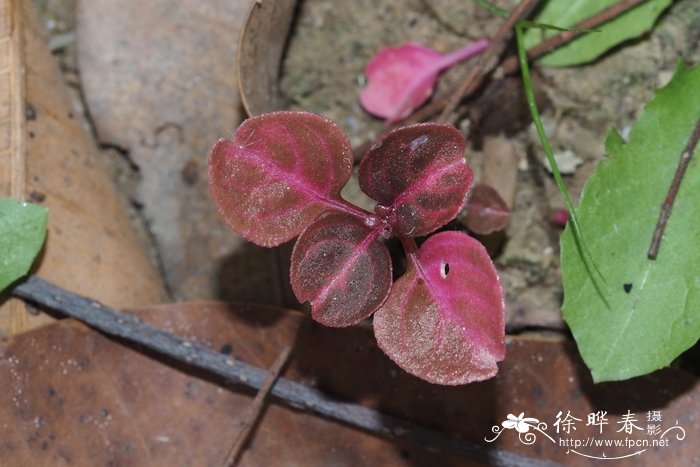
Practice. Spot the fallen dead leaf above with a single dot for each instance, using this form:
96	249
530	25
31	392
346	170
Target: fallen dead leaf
48	157
160	82
263	40
68	393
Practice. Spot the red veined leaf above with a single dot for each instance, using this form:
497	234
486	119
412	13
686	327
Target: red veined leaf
399	79
486	211
280	171
418	175
339	265
444	319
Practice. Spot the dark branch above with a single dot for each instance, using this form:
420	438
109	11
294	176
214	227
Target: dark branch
667	205
296	395
489	59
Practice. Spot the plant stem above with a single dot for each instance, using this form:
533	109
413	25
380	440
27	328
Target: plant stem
347	207
511	64
464	53
410	248
667	205
255	409
128	327
489	59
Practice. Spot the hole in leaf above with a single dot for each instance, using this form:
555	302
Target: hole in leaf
444	269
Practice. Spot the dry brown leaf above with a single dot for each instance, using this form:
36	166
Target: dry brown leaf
160	82
263	40
67	392
47	156
70	395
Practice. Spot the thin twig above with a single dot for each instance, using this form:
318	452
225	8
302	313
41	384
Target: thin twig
255	409
511	64
489	59
667	205
296	395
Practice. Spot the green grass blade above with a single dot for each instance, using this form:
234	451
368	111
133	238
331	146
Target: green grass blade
492	7
532	105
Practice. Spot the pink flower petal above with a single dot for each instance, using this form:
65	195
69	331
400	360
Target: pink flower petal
400	79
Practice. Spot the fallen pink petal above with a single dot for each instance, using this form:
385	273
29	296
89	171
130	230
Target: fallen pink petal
400	79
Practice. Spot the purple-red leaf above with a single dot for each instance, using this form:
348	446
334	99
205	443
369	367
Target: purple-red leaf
444	319
399	79
486	210
419	177
281	170
341	268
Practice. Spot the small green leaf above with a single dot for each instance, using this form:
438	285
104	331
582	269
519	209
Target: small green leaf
588	47
22	233
654	312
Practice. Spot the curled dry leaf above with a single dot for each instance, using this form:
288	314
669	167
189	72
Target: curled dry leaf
419	176
341	268
47	156
399	79
444	319
487	212
281	170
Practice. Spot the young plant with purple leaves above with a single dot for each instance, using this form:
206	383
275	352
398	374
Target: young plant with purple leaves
281	176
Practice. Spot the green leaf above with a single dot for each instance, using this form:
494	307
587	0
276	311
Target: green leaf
22	233
654	312
566	13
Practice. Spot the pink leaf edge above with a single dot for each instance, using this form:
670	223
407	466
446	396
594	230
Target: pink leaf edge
444	320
